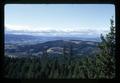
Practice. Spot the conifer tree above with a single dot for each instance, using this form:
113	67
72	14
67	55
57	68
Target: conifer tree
105	61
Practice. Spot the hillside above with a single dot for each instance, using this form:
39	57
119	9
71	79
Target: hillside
53	48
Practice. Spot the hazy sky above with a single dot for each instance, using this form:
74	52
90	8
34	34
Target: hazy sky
59	19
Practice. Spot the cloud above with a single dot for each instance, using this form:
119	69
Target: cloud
24	29
16	27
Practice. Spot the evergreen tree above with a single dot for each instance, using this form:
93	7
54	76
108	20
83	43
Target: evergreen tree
105	61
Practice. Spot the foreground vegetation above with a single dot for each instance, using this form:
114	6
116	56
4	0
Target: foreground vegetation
67	66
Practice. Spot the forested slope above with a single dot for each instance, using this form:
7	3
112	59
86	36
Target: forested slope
67	66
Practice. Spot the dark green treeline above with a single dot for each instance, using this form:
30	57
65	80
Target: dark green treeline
67	66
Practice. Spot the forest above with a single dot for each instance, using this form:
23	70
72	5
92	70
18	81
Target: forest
67	66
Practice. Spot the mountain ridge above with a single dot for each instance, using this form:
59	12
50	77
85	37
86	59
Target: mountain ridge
54	48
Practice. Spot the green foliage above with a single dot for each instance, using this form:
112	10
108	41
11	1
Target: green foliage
67	66
105	61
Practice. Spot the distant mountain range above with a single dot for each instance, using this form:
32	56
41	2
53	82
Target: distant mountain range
35	45
21	39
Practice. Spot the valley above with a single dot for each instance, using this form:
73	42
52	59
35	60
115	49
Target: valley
27	46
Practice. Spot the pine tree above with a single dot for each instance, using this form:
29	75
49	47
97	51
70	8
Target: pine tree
105	61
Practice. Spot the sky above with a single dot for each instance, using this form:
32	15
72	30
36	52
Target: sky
58	19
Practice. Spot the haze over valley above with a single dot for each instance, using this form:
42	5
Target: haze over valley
59	41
